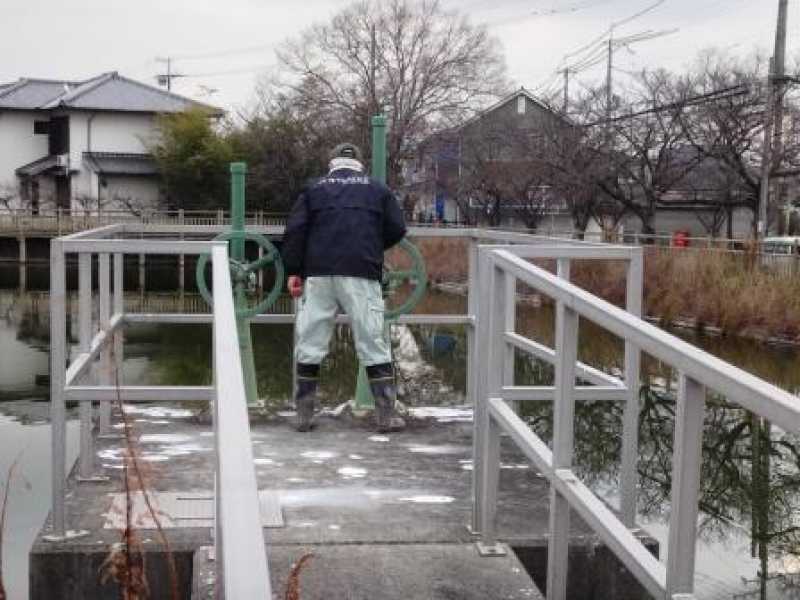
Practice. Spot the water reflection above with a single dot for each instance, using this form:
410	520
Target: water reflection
750	471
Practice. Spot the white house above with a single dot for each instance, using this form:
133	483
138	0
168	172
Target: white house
82	145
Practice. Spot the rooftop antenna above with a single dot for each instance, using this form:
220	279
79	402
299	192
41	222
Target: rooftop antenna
165	79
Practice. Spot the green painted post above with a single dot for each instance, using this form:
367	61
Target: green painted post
364	399
379	148
238	172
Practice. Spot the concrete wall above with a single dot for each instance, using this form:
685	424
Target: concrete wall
669	221
143	192
18	144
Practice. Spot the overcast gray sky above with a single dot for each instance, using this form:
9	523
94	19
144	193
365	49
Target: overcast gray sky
226	44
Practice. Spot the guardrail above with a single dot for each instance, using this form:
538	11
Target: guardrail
240	552
62	222
498	271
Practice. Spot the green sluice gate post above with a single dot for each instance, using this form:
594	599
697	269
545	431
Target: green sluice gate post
238	172
364	399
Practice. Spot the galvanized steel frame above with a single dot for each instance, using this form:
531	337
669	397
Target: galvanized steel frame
697	370
107	343
243	570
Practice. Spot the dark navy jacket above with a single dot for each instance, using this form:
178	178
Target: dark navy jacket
341	225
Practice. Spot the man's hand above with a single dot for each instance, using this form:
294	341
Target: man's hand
295	286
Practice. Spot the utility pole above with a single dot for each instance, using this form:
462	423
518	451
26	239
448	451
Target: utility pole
773	117
566	90
610	67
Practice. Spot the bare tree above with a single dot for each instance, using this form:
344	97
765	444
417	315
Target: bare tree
646	151
730	129
89	203
9	196
426	67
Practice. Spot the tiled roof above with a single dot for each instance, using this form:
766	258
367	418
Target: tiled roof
109	91
33	93
116	163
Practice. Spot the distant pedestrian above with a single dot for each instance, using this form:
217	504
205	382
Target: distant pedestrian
333	249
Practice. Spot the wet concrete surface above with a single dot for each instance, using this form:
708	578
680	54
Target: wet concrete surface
395	499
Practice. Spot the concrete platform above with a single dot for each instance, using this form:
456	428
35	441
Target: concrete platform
369	571
376	510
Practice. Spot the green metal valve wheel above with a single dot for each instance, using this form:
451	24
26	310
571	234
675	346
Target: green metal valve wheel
416	275
242	272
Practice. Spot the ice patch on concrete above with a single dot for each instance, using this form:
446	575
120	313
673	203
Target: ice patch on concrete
443	414
319	454
182	450
155	458
355	457
444	449
164	438
352	472
428	499
378	438
158	412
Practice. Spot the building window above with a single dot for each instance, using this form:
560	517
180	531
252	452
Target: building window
520	104
41	127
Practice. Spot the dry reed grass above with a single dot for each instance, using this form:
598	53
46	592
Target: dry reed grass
3	512
707	287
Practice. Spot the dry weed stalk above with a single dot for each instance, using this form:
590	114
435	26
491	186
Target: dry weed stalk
125	564
3	510
293	584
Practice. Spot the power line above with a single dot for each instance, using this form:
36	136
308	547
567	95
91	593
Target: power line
713	96
225	53
546	13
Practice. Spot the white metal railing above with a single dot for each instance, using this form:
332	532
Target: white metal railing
243	570
61	222
498	271
240	553
493	273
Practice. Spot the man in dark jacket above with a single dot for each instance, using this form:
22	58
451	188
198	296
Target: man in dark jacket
333	249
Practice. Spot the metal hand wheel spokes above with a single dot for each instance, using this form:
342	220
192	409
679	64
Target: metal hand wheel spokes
241	272
416	275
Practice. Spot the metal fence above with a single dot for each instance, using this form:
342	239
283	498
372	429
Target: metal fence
499	271
61	222
240	552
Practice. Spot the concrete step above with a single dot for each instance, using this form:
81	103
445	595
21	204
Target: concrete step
387	571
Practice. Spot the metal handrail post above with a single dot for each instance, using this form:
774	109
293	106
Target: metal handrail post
242	569
629	479
480	394
119	310
86	460
566	345
58	351
509	324
494	373
686	463
104	296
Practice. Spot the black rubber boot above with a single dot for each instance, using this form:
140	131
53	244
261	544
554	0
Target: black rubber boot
381	384
306	398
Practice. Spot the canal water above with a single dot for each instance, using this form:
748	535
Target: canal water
749	506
